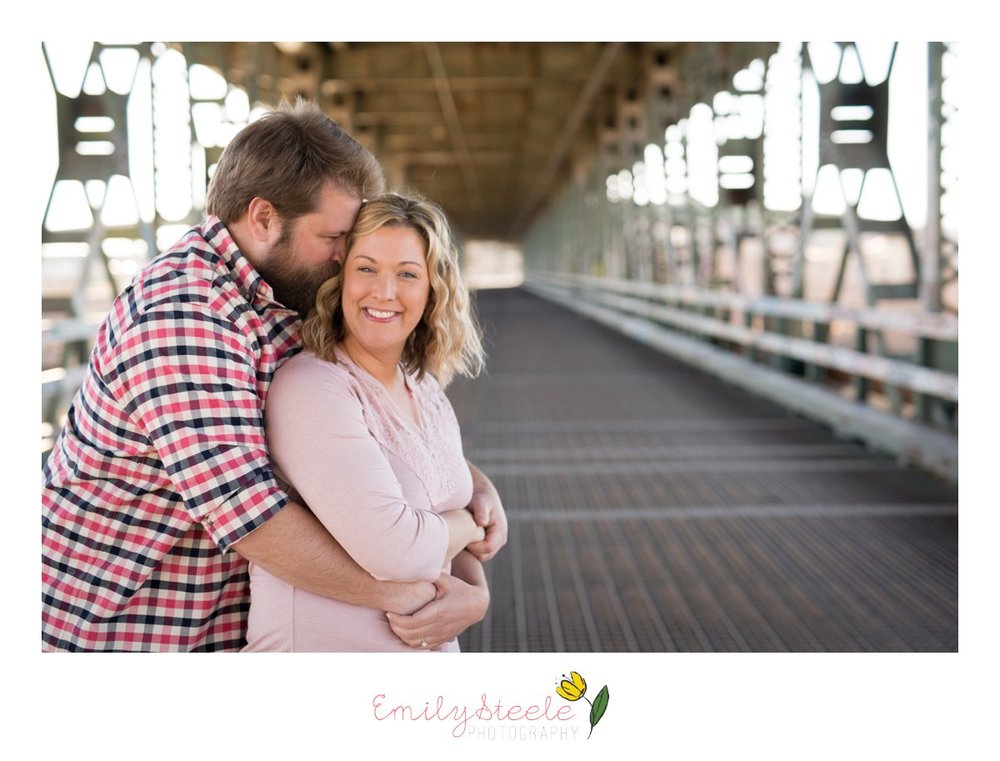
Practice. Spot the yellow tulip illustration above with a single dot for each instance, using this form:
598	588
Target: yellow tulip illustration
575	687
572	690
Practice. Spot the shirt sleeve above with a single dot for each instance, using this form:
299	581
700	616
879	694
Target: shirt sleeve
188	377
321	444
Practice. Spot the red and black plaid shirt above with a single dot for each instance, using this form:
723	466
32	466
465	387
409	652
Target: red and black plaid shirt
162	464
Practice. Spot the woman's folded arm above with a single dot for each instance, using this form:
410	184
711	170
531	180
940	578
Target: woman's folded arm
318	439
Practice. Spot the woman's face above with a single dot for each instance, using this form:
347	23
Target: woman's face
386	287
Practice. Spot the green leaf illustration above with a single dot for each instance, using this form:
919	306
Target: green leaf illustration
597	708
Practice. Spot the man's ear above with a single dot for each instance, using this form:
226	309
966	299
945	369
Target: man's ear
263	221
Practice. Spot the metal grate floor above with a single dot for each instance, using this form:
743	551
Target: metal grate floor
654	508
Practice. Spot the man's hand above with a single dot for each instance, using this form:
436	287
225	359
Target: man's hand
458	606
405	597
488	511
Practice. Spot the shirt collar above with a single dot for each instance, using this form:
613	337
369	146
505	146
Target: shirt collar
252	286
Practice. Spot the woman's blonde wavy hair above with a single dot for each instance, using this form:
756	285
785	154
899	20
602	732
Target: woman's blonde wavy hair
447	341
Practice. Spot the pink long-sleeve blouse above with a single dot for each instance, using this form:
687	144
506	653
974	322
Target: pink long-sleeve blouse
375	480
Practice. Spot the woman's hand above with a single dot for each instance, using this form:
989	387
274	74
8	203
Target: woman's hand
488	511
462	531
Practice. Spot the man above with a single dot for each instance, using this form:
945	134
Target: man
159	490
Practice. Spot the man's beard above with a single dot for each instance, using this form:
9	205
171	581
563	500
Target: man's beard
294	286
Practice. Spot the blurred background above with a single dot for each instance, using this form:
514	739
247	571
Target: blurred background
719	284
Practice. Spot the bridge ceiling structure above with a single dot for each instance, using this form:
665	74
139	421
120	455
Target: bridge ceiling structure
489	130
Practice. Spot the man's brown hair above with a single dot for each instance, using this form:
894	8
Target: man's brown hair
286	157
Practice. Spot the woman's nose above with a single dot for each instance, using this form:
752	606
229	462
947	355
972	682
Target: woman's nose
385	286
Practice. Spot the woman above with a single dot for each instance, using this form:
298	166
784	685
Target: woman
360	428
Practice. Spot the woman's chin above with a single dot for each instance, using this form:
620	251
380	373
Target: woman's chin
382	348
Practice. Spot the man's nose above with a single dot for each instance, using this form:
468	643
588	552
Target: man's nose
339	249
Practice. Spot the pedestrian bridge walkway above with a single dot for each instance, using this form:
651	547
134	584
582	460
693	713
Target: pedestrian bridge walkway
655	508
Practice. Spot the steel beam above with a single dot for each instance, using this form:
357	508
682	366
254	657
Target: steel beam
562	146
452	119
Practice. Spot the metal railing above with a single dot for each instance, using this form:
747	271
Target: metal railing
762	345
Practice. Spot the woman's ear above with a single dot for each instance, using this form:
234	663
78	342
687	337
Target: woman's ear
263	221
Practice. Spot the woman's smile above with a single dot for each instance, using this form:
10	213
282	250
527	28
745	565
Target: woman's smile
379	315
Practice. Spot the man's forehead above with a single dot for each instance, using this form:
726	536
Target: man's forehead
338	208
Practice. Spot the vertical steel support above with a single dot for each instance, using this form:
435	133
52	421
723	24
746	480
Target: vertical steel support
78	162
597	203
837	95
930	271
930	275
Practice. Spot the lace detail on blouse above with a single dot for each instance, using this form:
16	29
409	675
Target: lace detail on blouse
433	465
